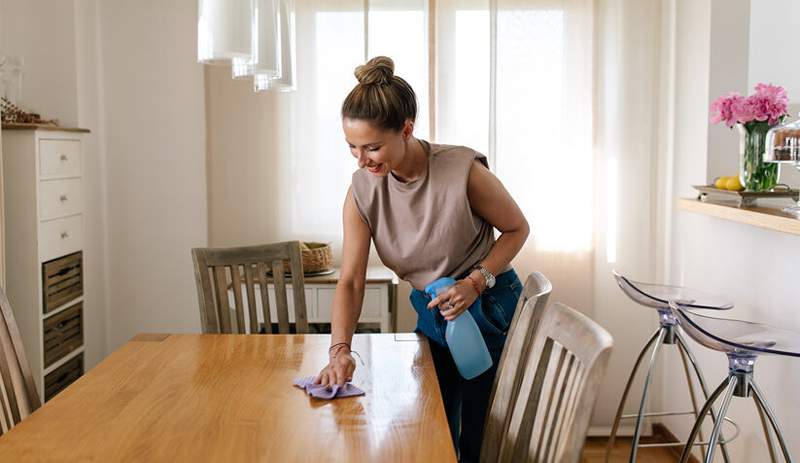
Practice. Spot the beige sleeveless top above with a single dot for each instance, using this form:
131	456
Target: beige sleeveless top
425	229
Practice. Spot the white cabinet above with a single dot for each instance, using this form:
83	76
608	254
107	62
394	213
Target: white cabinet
43	202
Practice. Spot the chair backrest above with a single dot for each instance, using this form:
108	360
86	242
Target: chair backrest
220	270
18	396
511	367
563	371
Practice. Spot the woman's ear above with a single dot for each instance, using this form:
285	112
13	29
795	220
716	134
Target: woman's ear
408	129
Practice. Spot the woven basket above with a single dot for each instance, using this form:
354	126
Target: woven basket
317	257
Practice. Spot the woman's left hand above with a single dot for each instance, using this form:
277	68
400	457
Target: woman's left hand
455	300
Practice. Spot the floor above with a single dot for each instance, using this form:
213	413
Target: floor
595	450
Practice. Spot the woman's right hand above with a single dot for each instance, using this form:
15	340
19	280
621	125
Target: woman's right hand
339	370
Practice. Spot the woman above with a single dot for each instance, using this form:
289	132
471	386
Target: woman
430	210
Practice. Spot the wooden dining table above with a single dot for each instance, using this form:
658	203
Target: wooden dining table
193	397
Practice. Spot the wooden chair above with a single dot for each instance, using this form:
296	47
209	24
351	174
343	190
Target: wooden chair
509	371
217	269
18	396
562	374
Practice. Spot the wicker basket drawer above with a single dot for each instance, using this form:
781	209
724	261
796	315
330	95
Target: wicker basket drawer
63	376
63	333
62	281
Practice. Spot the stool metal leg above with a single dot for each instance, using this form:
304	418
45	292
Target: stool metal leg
726	401
759	396
638	429
692	396
627	389
682	345
767	432
726	386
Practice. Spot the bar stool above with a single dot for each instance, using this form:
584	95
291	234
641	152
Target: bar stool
742	342
658	297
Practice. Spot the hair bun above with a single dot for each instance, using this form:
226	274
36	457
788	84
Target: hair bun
377	71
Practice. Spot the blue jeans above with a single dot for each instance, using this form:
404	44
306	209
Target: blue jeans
465	401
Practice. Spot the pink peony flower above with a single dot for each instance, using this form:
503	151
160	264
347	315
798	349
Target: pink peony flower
769	103
722	109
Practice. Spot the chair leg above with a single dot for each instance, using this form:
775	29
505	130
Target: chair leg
724	386
701	379
692	396
726	401
650	368
625	392
767	433
759	396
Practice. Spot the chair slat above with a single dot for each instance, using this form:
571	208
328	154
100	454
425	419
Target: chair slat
223	309
281	301
265	306
236	284
252	310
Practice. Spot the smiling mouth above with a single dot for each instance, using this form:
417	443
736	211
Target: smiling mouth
375	169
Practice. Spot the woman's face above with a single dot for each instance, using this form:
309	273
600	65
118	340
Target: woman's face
377	150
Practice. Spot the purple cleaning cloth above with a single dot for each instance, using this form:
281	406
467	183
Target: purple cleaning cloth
322	392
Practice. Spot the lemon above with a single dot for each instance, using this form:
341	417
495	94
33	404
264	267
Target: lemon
721	182
733	184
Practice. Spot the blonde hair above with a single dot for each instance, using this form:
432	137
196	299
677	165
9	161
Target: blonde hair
380	97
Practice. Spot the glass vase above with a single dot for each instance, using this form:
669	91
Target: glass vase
754	173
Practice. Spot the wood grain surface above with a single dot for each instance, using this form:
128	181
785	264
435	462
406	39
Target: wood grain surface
230	398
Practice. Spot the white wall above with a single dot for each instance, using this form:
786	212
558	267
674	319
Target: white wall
750	266
773	32
155	165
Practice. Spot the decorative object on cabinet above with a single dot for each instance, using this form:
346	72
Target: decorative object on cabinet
42	198
317	258
13	114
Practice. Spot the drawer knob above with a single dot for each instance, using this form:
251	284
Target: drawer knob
64	158
64	235
63	198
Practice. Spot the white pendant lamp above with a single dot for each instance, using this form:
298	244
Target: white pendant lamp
266	47
224	30
286	27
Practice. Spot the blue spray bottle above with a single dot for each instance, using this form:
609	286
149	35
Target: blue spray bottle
463	336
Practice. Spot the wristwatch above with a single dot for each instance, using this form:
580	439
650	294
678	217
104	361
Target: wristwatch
487	275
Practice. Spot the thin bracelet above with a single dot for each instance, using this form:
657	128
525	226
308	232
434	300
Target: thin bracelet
338	344
474	284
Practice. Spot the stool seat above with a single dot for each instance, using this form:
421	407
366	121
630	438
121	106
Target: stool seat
737	337
659	296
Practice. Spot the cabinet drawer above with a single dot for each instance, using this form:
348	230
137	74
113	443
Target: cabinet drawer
370	309
60	236
59	158
62	281
58	379
59	198
63	333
